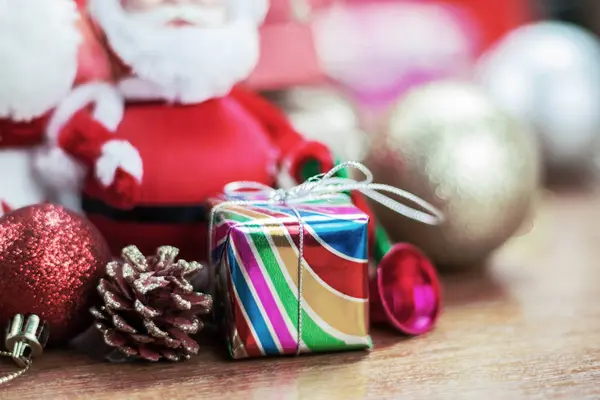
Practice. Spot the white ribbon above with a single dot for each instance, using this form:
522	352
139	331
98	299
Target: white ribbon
324	185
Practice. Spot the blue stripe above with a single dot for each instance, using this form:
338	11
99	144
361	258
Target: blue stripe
346	236
250	306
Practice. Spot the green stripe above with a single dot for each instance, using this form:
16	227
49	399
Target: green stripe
232	216
313	336
382	244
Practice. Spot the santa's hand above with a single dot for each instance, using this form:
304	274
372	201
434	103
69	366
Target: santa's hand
119	169
305	153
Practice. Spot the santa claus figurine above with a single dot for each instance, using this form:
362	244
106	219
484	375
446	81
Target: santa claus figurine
173	127
39	43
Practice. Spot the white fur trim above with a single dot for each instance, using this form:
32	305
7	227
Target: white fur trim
139	89
107	103
59	170
187	66
70	200
255	9
62	176
118	154
20	186
39	45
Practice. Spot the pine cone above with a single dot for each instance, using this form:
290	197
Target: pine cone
150	308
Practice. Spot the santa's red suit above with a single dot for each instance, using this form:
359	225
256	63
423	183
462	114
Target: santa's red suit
152	164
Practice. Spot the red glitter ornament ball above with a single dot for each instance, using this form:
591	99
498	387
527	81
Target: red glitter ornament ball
50	263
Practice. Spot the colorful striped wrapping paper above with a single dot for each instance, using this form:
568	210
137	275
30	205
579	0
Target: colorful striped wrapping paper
256	252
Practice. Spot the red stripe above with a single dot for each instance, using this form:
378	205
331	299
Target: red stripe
347	277
241	325
221	232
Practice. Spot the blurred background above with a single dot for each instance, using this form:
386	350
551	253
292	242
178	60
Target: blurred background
477	106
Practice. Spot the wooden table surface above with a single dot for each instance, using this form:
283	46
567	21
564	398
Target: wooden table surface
528	328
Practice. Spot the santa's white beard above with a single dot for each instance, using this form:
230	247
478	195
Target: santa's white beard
39	44
182	64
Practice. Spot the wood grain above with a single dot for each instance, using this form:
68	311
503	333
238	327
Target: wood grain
527	328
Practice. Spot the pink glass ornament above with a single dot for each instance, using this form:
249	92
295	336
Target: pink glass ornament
406	292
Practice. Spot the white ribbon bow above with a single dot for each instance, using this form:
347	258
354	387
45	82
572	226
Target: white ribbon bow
324	185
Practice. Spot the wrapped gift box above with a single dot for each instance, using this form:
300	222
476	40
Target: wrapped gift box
256	250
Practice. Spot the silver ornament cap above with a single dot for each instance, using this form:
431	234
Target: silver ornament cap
26	338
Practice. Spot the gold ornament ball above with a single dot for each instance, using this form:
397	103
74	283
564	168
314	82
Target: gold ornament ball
448	143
